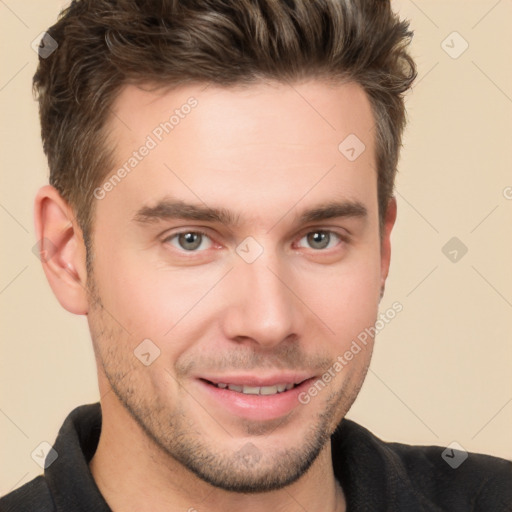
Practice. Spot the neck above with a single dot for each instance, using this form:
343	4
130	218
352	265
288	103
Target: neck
133	474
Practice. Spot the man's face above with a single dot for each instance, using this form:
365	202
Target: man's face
244	248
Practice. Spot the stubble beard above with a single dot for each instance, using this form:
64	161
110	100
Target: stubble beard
248	469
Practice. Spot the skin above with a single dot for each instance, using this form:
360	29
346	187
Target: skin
266	153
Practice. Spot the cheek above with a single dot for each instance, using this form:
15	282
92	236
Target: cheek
149	299
345	297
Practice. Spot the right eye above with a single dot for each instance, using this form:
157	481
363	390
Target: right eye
189	241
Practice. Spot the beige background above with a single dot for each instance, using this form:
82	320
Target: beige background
441	369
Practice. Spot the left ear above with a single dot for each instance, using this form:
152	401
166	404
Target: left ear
385	251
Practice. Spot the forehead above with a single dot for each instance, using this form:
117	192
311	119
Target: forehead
309	111
234	146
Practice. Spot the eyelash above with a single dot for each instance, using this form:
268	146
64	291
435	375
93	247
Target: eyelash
343	238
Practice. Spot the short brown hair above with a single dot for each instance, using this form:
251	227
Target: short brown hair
106	44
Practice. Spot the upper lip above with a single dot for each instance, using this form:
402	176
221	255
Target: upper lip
257	380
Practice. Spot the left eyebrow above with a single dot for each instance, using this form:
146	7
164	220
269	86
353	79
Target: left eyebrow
333	210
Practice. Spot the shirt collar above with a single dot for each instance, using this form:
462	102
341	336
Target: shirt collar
71	483
368	470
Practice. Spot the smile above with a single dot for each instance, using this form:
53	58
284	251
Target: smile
256	390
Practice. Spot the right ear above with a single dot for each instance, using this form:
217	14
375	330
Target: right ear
62	249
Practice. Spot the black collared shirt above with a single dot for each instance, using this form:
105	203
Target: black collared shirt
375	475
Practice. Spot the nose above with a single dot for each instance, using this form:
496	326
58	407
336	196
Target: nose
262	308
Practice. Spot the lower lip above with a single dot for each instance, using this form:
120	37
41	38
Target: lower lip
256	407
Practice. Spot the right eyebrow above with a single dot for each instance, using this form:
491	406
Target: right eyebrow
168	209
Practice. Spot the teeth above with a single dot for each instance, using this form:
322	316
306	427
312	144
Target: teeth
250	390
268	390
257	390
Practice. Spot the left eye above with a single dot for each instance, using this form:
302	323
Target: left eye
319	240
190	241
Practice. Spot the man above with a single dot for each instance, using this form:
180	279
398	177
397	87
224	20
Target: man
220	208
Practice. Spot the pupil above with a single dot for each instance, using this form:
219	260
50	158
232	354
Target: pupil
319	240
191	240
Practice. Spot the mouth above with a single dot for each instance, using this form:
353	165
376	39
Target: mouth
255	390
254	398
